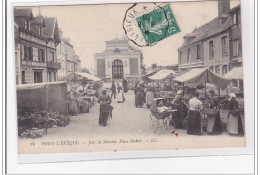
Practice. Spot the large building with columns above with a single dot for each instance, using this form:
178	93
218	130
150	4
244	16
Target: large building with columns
215	45
119	60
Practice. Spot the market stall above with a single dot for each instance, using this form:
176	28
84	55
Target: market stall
41	106
196	77
163	82
85	96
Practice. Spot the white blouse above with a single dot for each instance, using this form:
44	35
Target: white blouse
195	104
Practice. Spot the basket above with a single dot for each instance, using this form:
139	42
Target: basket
209	111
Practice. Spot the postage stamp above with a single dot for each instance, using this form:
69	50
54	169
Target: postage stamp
150	24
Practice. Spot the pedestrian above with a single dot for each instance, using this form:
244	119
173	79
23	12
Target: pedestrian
214	125
234	121
105	108
138	96
149	96
194	117
177	103
125	87
113	89
73	108
118	88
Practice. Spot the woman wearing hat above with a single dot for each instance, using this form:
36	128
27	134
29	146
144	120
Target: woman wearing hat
194	117
234	122
214	125
177	104
105	108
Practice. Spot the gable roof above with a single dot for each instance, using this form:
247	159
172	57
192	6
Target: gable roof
25	12
209	29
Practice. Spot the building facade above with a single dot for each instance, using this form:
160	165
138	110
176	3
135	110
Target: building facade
66	57
216	45
119	60
37	39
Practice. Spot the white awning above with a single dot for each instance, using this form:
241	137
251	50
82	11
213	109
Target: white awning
235	74
162	74
81	75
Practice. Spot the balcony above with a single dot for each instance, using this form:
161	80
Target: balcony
29	63
53	65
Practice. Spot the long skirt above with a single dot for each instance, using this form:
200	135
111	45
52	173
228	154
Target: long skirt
234	124
73	107
214	125
149	98
177	116
103	113
194	123
138	99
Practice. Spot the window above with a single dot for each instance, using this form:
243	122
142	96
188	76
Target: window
235	19
23	77
211	69
198	52
211	50
37	77
40	30
180	57
217	69
54	76
28	53
224	44
224	69
41	55
235	48
51	56
188	56
50	78
27	24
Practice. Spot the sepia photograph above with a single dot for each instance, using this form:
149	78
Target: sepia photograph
129	77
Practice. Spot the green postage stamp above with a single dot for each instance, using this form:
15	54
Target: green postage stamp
145	25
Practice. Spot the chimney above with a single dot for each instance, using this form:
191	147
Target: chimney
223	7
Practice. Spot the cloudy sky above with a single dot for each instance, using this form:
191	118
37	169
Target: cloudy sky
88	26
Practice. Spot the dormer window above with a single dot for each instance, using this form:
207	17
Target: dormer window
40	30
235	19
188	56
26	24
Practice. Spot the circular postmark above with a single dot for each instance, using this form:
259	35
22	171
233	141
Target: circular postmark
145	24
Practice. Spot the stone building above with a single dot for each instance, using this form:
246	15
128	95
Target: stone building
37	37
66	57
119	60
17	55
215	45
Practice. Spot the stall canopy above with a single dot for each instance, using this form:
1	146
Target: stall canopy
235	74
87	76
162	74
146	76
197	77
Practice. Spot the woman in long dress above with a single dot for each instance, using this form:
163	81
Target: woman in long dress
138	96
73	108
194	117
234	121
149	96
177	104
214	125
105	108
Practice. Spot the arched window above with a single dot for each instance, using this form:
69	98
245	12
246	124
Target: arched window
117	69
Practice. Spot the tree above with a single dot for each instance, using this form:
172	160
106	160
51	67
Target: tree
154	65
85	70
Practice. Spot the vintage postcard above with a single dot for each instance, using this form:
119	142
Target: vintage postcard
129	77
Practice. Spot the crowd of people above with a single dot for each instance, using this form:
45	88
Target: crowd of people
192	110
187	107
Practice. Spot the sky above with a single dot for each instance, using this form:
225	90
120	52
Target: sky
89	26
